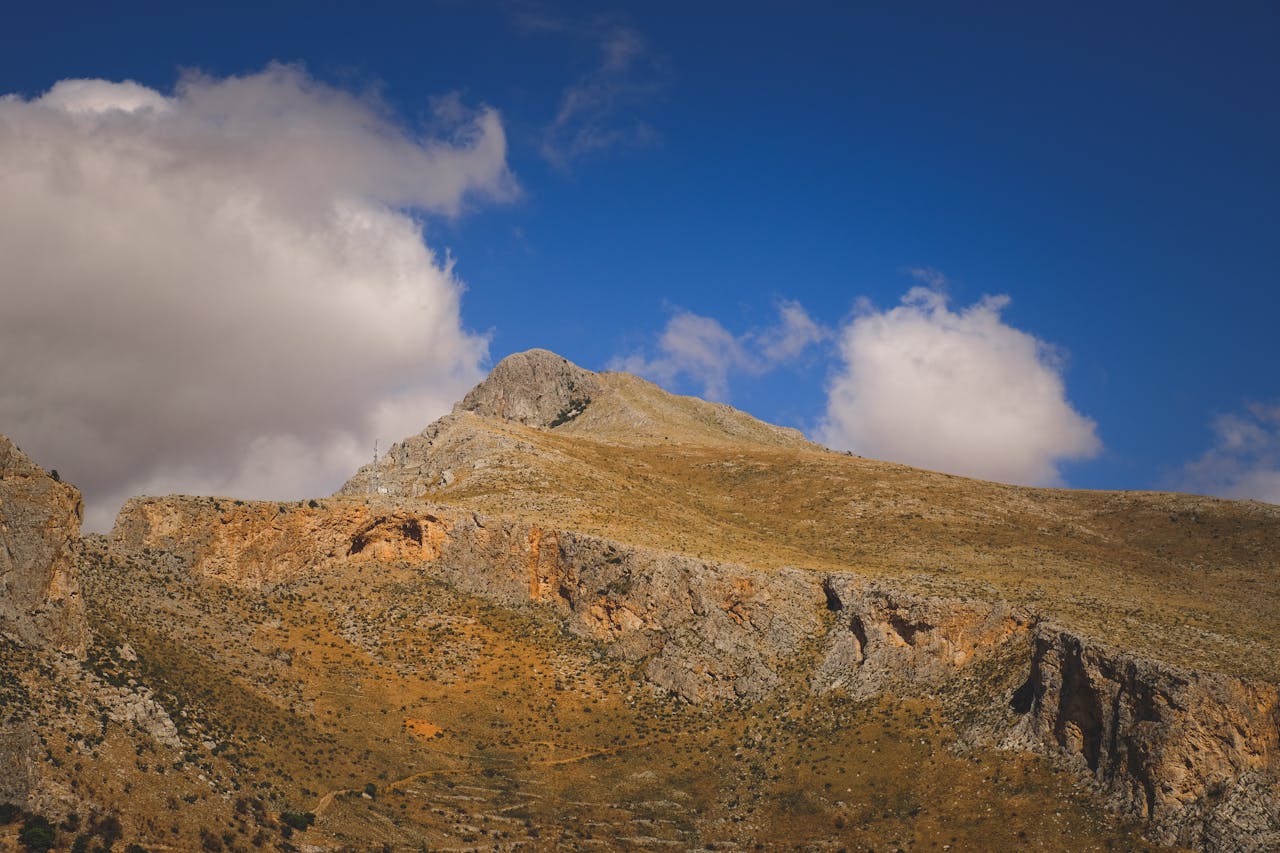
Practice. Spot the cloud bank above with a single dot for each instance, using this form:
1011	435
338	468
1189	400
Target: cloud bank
1244	461
225	289
703	351
961	392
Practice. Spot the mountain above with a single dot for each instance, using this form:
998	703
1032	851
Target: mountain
579	611
1182	578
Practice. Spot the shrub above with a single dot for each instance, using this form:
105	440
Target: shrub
37	834
9	813
298	820
107	828
209	841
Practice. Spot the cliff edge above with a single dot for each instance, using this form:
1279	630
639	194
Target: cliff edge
40	518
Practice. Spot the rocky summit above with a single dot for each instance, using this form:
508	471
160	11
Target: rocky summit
581	612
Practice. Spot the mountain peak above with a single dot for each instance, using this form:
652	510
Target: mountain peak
535	388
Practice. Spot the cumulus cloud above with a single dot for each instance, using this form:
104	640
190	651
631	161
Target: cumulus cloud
225	288
957	391
702	350
1244	461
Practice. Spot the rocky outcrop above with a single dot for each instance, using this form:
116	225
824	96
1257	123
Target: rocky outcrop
138	707
40	518
886	641
1195	753
457	444
42	615
705	631
250	543
535	388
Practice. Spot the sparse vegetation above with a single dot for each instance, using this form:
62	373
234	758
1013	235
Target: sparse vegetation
472	720
359	698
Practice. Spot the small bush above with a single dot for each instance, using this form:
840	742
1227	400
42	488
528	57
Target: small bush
107	828
209	841
9	813
298	820
37	834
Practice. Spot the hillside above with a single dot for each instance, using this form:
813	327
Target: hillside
1190	580
580	612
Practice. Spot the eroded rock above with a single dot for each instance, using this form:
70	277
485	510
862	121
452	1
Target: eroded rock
1196	753
40	518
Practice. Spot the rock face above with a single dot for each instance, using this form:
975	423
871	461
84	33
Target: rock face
1197	754
41	611
39	532
886	641
535	388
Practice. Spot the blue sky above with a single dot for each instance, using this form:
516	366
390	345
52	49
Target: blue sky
1111	171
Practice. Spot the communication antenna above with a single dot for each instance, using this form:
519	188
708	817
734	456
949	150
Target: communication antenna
376	478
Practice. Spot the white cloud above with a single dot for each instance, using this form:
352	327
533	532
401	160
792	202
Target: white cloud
1245	459
226	289
99	96
704	351
795	332
954	391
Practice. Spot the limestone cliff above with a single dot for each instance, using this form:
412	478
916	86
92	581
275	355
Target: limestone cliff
39	532
1196	753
